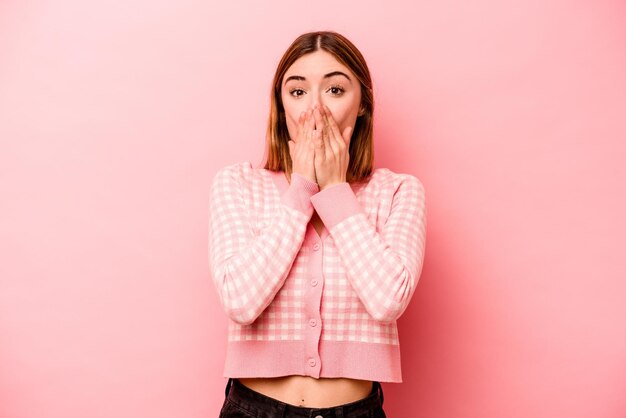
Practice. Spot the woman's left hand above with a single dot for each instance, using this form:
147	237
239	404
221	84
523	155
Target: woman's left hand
331	149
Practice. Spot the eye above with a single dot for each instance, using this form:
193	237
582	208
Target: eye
298	92
336	90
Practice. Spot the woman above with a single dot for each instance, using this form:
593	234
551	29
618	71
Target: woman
315	255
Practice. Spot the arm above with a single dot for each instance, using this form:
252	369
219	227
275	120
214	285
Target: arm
249	270
383	268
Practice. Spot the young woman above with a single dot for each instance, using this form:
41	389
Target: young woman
317	254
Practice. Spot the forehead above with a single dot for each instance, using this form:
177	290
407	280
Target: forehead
316	64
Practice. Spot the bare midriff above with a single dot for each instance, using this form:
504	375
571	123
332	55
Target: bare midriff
308	392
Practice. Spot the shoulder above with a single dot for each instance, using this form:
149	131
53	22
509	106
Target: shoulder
385	179
240	173
240	169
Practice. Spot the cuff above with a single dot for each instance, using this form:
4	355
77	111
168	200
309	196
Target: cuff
298	194
336	203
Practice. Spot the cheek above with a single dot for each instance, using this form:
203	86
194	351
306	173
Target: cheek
292	114
291	125
344	116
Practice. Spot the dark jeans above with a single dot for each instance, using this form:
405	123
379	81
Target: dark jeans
243	402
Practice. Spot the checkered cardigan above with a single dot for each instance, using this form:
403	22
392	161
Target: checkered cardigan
307	304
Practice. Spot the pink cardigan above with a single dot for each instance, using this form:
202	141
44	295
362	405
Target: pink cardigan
303	304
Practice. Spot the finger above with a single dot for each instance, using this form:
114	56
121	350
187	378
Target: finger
333	125
319	122
332	144
319	152
301	120
309	125
317	128
320	125
310	132
300	125
303	131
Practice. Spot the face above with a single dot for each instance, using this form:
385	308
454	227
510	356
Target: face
318	78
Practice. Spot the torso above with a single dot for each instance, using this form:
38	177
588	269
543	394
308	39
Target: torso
308	392
317	223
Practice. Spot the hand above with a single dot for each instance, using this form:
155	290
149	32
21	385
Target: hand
331	149
302	149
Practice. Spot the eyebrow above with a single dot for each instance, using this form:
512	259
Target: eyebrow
334	73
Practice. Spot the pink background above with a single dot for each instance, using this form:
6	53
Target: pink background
114	117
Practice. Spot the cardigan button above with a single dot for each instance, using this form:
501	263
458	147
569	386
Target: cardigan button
316	246
312	362
312	322
314	282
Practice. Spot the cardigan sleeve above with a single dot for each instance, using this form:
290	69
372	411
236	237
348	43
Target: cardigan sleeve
249	268
382	267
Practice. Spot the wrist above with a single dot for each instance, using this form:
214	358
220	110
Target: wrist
328	185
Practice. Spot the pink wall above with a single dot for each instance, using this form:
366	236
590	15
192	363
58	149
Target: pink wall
115	115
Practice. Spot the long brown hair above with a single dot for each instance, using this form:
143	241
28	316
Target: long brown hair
361	147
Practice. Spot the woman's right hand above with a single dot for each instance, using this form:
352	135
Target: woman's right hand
302	149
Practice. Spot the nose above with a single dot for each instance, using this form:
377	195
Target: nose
316	99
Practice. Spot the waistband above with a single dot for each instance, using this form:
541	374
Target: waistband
244	396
